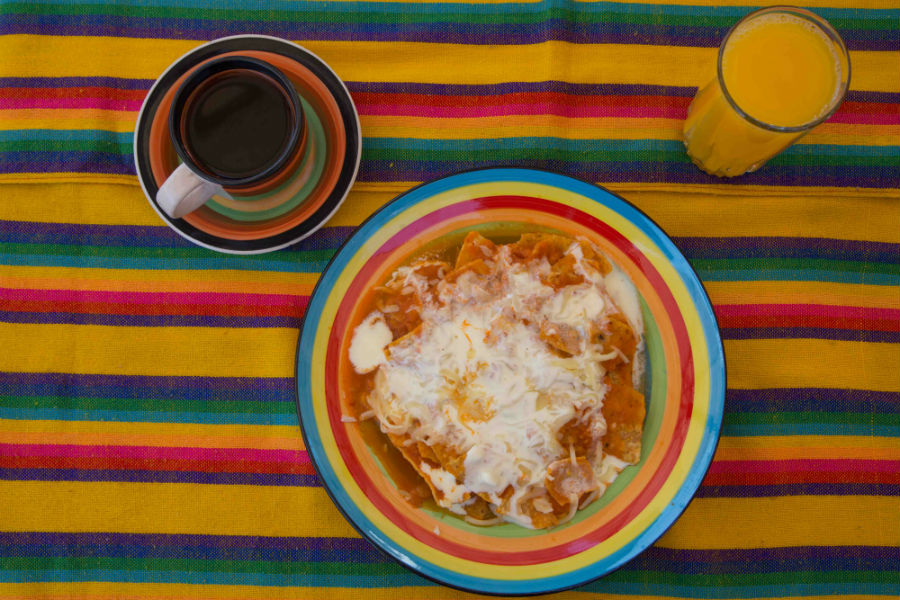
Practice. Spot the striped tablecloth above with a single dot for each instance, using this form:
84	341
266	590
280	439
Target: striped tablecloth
149	446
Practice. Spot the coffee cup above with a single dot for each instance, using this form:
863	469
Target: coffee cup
238	127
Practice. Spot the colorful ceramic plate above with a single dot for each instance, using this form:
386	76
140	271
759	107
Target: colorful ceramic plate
684	387
247	224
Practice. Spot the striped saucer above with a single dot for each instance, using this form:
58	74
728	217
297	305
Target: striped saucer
243	224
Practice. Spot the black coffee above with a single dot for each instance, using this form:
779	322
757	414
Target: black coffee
237	123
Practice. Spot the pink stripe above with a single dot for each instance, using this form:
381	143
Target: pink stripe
189	298
817	310
152	452
70	103
675	112
788	466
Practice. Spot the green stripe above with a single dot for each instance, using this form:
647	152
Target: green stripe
133	252
457	151
45	145
498	153
92	564
423	15
596	155
798	264
107	563
149	405
805	417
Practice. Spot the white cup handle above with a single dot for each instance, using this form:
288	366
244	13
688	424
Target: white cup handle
185	191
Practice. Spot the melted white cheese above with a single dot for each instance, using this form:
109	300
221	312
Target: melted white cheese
479	378
369	341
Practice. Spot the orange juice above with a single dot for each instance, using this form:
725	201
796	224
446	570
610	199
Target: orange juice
781	72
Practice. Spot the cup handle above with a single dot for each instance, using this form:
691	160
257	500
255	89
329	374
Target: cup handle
185	191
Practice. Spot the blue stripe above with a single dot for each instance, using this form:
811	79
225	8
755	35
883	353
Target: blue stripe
139	476
817	333
67	162
551	28
256	389
213	547
61	82
126	416
793	247
398	170
778	400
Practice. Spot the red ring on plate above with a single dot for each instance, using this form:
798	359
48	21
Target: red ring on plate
513	555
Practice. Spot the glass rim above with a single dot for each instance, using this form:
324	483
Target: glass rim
816	20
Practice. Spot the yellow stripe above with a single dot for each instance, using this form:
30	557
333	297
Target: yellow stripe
761	364
708	523
62	177
54	56
153	279
711	523
803	292
113	433
807	448
170	508
745	214
75	118
748	212
104	203
112	204
131	280
186	351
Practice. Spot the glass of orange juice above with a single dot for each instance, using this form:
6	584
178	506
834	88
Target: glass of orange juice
781	71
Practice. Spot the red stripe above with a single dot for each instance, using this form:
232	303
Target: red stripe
370	489
870	108
239	310
71	92
809	321
539	98
780	472
806	465
108	463
808	315
795	477
161	452
807	309
109	296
